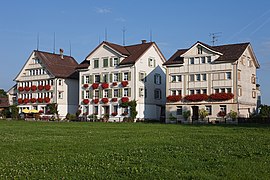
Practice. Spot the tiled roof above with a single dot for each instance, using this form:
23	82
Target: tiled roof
4	102
230	53
133	52
84	65
63	68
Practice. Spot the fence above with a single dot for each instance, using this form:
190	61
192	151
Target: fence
254	120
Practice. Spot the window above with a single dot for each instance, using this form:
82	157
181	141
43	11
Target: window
222	90
96	63
60	95
208	59
209	109
115	108
125	92
115	61
199	49
204	77
253	93
115	93
97	78
95	109
87	93
229	90
253	79
86	79
228	75
223	108
125	76
239	91
106	93
191	61
105	77
204	91
239	75
191	91
157	94
105	62
173	78
179	110
96	94
179	78
173	92
179	92
151	62
198	91
116	77
198	77
141	92
142	76
157	79
203	60
216	90
60	83
191	77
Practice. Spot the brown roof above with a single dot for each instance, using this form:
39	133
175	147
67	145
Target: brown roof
63	68
133	52
230	53
84	65
4	102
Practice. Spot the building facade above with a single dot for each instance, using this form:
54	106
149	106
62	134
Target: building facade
48	78
113	74
219	79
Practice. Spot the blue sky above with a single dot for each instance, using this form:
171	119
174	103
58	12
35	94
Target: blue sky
174	25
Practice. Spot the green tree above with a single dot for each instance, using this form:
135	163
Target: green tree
133	112
264	111
232	114
14	111
3	93
203	113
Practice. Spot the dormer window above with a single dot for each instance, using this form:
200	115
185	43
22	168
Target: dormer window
191	61
199	49
208	59
115	61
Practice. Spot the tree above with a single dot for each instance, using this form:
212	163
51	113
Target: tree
133	112
3	93
203	113
232	114
264	111
14	111
186	114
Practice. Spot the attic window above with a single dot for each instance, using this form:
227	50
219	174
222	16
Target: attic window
36	61
199	49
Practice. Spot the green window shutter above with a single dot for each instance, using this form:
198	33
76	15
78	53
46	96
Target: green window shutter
129	92
111	80
82	79
120	77
90	79
91	94
100	93
101	78
129	76
120	93
111	62
82	94
110	93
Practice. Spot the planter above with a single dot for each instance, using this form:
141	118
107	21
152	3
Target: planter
105	85
124	99
47	87
47	99
174	98
114	100
114	84
40	100
21	89
95	85
95	101
105	100
196	97
124	83
33	100
85	86
33	88
40	87
27	88
25	101
86	101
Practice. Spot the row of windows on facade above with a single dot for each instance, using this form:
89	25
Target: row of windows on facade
201	77
37	83
41	95
114	108
246	61
114	61
117	93
201	91
37	72
118	77
200	60
208	108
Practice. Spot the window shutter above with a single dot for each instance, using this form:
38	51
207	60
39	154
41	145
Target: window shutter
91	94
82	79
120	93
100	93
82	94
90	79
129	92
101	78
110	93
140	76
129	76
111	75
111	62
154	63
120	77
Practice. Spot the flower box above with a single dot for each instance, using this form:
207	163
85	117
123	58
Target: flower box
95	101
196	97
221	96
105	100
114	84
33	88
114	100
47	99
40	100
124	99
20	100
25	101
95	85
85	86
114	114
27	88
33	100
21	89
124	83
174	98
40	87
47	87
105	85
86	101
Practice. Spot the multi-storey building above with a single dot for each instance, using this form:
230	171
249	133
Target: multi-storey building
215	78
48	78
112	74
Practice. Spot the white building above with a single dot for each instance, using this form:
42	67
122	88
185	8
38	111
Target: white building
12	95
112	74
48	78
216	78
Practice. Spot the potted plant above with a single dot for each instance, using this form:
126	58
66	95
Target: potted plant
95	101
124	99
95	85
86	101
33	100
85	86
47	99
20	100
40	87
105	85
124	83
27	88
114	99
114	84
47	87
33	88
114	114
40	100
106	117
105	100
196	97
20	89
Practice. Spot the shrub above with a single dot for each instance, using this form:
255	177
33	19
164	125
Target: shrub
232	114
174	98
186	114
105	85
95	85
203	113
124	83
172	118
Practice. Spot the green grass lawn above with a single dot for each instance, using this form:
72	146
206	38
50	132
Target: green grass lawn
52	150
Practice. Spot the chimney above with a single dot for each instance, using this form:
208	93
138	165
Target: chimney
143	41
61	53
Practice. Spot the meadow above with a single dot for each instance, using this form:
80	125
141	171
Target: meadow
55	150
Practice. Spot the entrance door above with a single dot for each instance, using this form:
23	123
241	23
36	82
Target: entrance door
195	113
106	110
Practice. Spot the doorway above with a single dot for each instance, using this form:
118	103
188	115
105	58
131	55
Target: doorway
195	113
106	110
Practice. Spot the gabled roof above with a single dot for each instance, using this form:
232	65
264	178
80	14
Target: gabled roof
4	102
131	53
229	53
